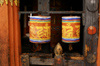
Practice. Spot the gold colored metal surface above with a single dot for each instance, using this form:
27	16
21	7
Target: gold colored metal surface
6	2
86	49
11	1
58	49
1	2
16	2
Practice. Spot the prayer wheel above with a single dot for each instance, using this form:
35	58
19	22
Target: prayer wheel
40	29
70	29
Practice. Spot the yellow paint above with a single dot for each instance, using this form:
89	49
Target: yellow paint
40	31
16	2
11	1
69	31
6	2
1	2
78	30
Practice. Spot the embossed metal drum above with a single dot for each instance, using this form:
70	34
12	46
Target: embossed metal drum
40	29
70	29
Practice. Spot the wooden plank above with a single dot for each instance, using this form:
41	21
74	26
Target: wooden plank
4	37
50	61
91	40
25	60
73	63
11	34
43	5
40	55
41	61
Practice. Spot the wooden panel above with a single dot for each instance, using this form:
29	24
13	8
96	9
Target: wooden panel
73	63
25	60
4	44
41	61
46	59
91	40
43	5
50	61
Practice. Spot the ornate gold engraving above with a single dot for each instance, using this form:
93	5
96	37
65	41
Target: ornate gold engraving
1	2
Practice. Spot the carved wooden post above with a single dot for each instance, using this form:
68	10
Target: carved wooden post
58	60
91	31
43	6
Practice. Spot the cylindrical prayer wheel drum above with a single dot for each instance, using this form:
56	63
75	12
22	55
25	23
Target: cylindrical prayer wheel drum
70	29
40	29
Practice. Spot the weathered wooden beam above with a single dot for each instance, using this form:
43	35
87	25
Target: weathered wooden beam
41	61
50	61
52	12
38	55
25	60
43	5
91	40
73	63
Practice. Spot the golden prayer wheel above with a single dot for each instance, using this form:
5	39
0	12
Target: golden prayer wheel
40	29
70	29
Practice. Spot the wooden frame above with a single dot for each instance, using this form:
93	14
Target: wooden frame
10	42
90	18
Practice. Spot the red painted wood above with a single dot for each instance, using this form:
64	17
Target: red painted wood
91	30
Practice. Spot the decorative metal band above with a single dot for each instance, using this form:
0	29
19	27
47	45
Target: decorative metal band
1	2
